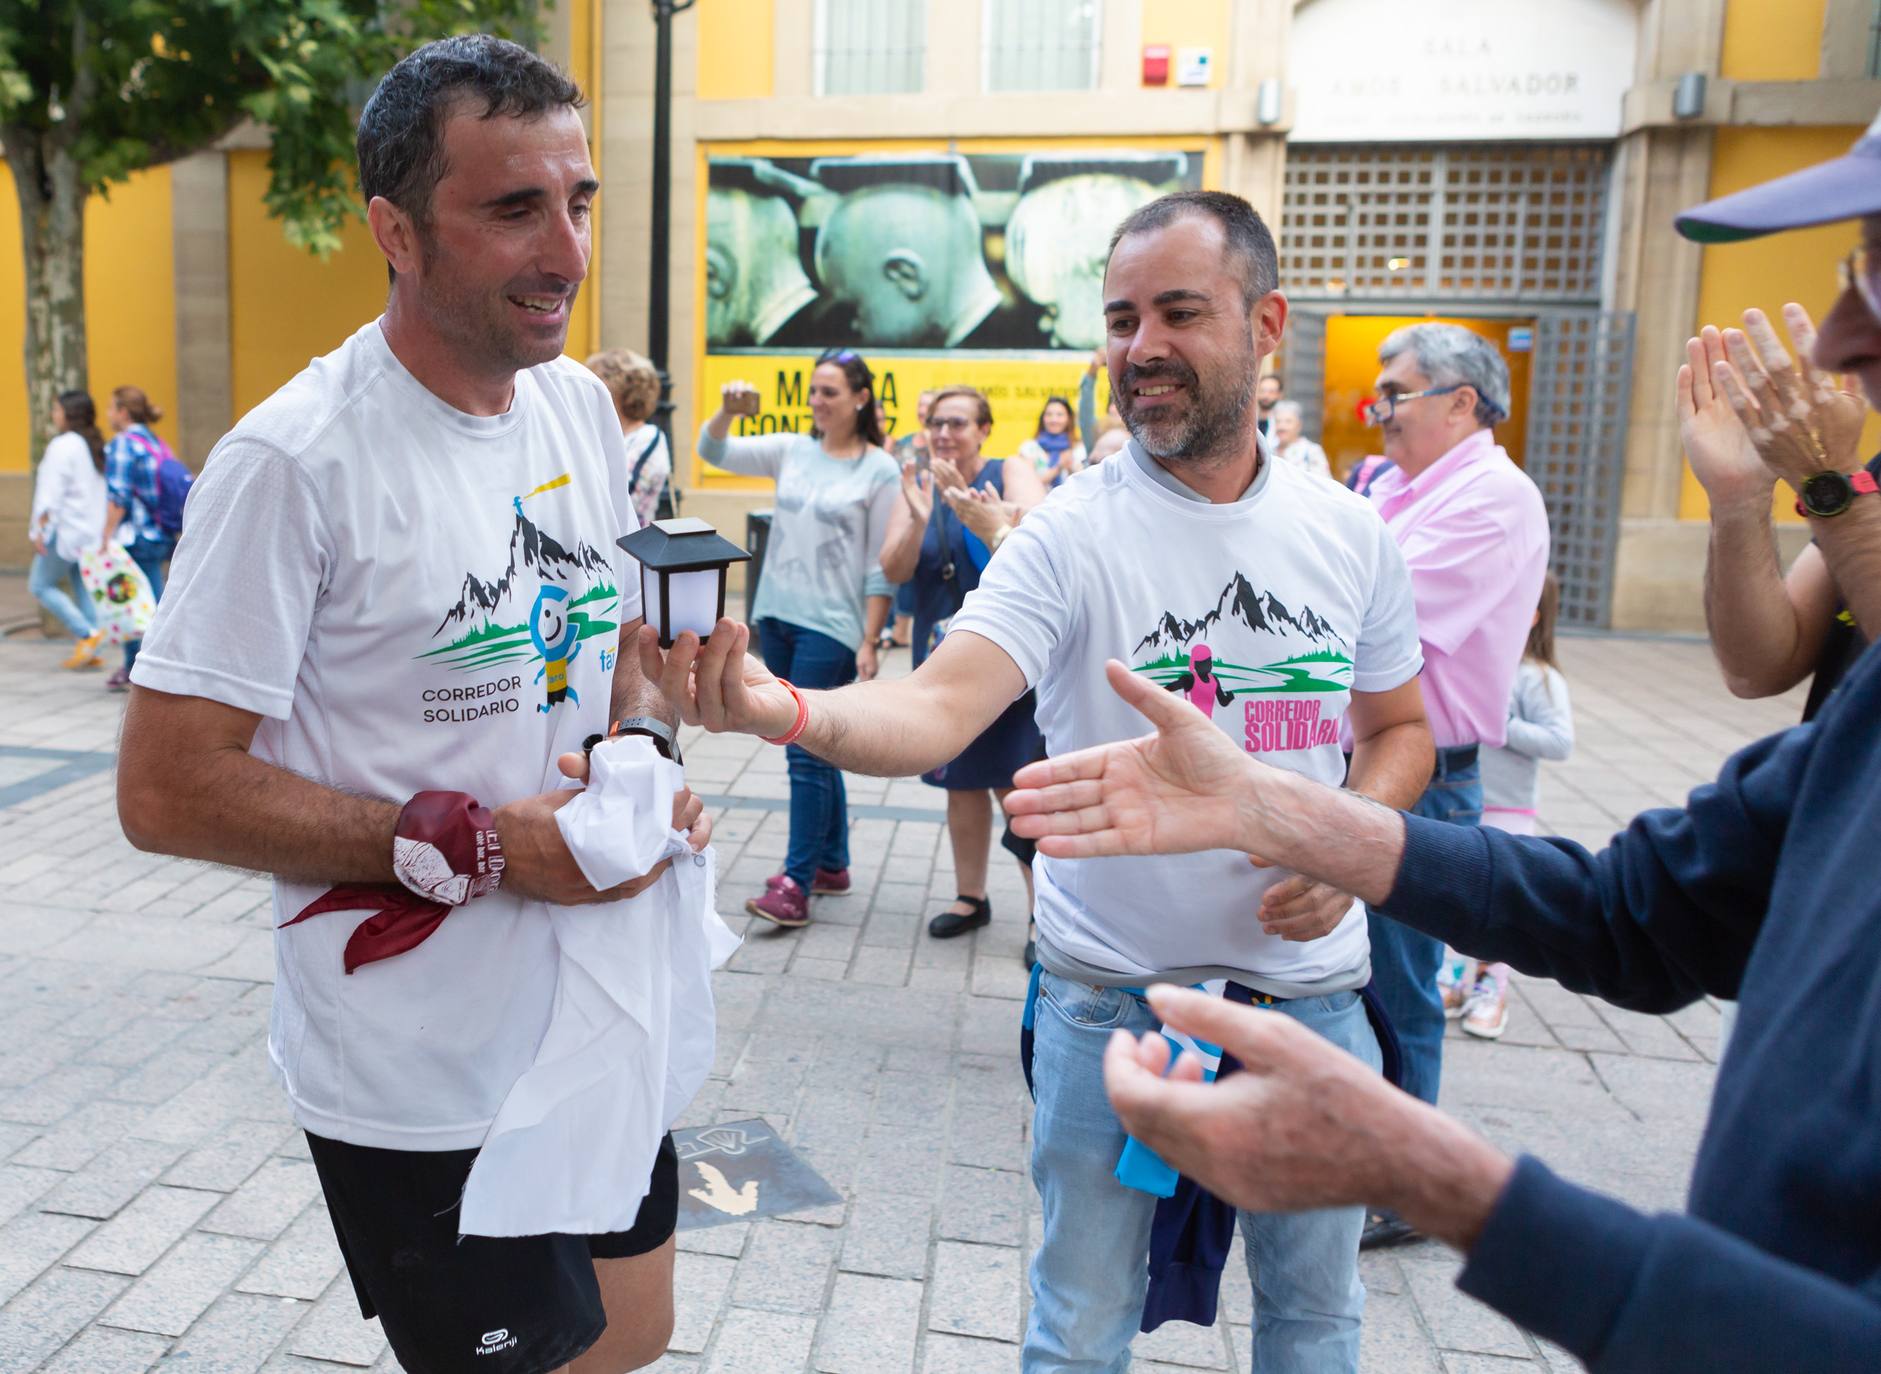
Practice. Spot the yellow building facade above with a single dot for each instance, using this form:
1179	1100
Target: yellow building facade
1507	163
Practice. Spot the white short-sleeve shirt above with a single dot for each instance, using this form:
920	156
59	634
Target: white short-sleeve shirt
1266	613
411	598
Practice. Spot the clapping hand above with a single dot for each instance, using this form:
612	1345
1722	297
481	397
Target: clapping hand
1798	419
1717	444
980	510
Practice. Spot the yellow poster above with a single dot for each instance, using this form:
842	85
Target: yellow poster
1017	390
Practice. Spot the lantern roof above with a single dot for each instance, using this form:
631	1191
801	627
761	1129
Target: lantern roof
681	545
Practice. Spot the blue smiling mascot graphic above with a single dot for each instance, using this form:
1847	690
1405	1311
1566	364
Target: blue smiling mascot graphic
558	640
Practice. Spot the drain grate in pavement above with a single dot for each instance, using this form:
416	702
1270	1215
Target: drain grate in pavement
739	1170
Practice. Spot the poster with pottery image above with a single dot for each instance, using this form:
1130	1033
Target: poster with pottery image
893	250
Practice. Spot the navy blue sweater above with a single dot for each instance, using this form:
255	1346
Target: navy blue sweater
1763	888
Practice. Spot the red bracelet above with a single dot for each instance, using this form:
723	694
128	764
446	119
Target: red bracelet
803	718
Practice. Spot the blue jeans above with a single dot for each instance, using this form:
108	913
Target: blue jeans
819	804
1405	961
150	555
1089	1276
50	577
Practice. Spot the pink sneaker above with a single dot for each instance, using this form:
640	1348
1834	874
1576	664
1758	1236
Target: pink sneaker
784	903
828	882
1486	1015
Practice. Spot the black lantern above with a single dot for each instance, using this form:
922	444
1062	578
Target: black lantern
683	565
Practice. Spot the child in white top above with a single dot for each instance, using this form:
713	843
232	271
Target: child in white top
1541	726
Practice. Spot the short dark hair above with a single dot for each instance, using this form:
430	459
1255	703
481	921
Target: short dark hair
1250	243
400	143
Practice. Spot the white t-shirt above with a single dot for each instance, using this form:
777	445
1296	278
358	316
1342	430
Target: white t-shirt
1289	599
412	598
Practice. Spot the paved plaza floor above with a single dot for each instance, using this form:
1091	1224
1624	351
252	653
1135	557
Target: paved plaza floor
158	1210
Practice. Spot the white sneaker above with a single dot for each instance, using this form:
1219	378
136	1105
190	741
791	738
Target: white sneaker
1486	1014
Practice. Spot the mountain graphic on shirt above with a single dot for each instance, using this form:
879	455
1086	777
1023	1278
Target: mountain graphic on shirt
530	550
1259	611
495	626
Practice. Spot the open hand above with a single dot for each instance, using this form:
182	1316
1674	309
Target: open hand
1800	421
1716	442
917	489
718	685
1171	792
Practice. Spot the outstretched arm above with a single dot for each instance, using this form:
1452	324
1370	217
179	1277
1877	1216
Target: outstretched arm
889	729
1668	911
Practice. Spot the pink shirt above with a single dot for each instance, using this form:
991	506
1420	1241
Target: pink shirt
1474	533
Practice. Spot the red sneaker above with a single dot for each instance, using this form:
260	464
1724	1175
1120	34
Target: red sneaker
830	882
784	903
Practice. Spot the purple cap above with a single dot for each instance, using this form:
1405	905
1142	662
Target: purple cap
1846	187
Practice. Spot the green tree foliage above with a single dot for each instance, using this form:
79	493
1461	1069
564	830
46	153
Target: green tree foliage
94	90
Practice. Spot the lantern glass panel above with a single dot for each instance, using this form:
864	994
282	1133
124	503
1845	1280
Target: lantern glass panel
650	601
693	598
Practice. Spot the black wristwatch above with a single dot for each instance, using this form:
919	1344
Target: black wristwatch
1827	494
664	737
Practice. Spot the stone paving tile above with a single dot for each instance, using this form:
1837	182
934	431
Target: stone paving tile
181	1286
237	1335
225	1163
301	1263
872	1324
31	1243
959	1355
1182	1343
1456	1322
984	1205
107	1350
111	1180
272	1197
757	1342
786	1268
333	1331
51	1312
700	1283
976	1291
21	1186
132	1240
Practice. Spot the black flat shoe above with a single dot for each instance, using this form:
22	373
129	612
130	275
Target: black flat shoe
951	923
1385	1228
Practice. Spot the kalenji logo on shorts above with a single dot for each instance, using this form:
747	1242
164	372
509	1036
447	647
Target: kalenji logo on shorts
494	1341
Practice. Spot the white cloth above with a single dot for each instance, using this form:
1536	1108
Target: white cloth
377	574
69	498
631	1035
1299	596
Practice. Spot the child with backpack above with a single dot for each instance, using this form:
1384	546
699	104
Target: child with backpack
1541	726
146	484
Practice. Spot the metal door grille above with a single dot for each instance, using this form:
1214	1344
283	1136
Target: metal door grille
1577	399
1303	367
1491	223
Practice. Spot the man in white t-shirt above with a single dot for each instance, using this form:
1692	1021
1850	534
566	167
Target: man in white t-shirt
1276	604
401	581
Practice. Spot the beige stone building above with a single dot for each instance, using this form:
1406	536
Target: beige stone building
1511	164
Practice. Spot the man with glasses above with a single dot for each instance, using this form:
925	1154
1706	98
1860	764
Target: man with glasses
1475	536
1770	631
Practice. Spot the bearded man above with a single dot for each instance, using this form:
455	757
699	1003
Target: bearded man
1193	536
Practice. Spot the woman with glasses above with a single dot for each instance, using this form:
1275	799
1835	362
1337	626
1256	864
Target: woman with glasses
822	600
929	547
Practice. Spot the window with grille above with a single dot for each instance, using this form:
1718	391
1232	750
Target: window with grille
870	47
1496	222
1041	45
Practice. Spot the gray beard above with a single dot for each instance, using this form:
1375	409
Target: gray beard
1211	430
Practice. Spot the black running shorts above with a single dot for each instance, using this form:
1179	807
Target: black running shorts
471	1304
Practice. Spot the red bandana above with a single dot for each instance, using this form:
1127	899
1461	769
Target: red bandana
446	852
